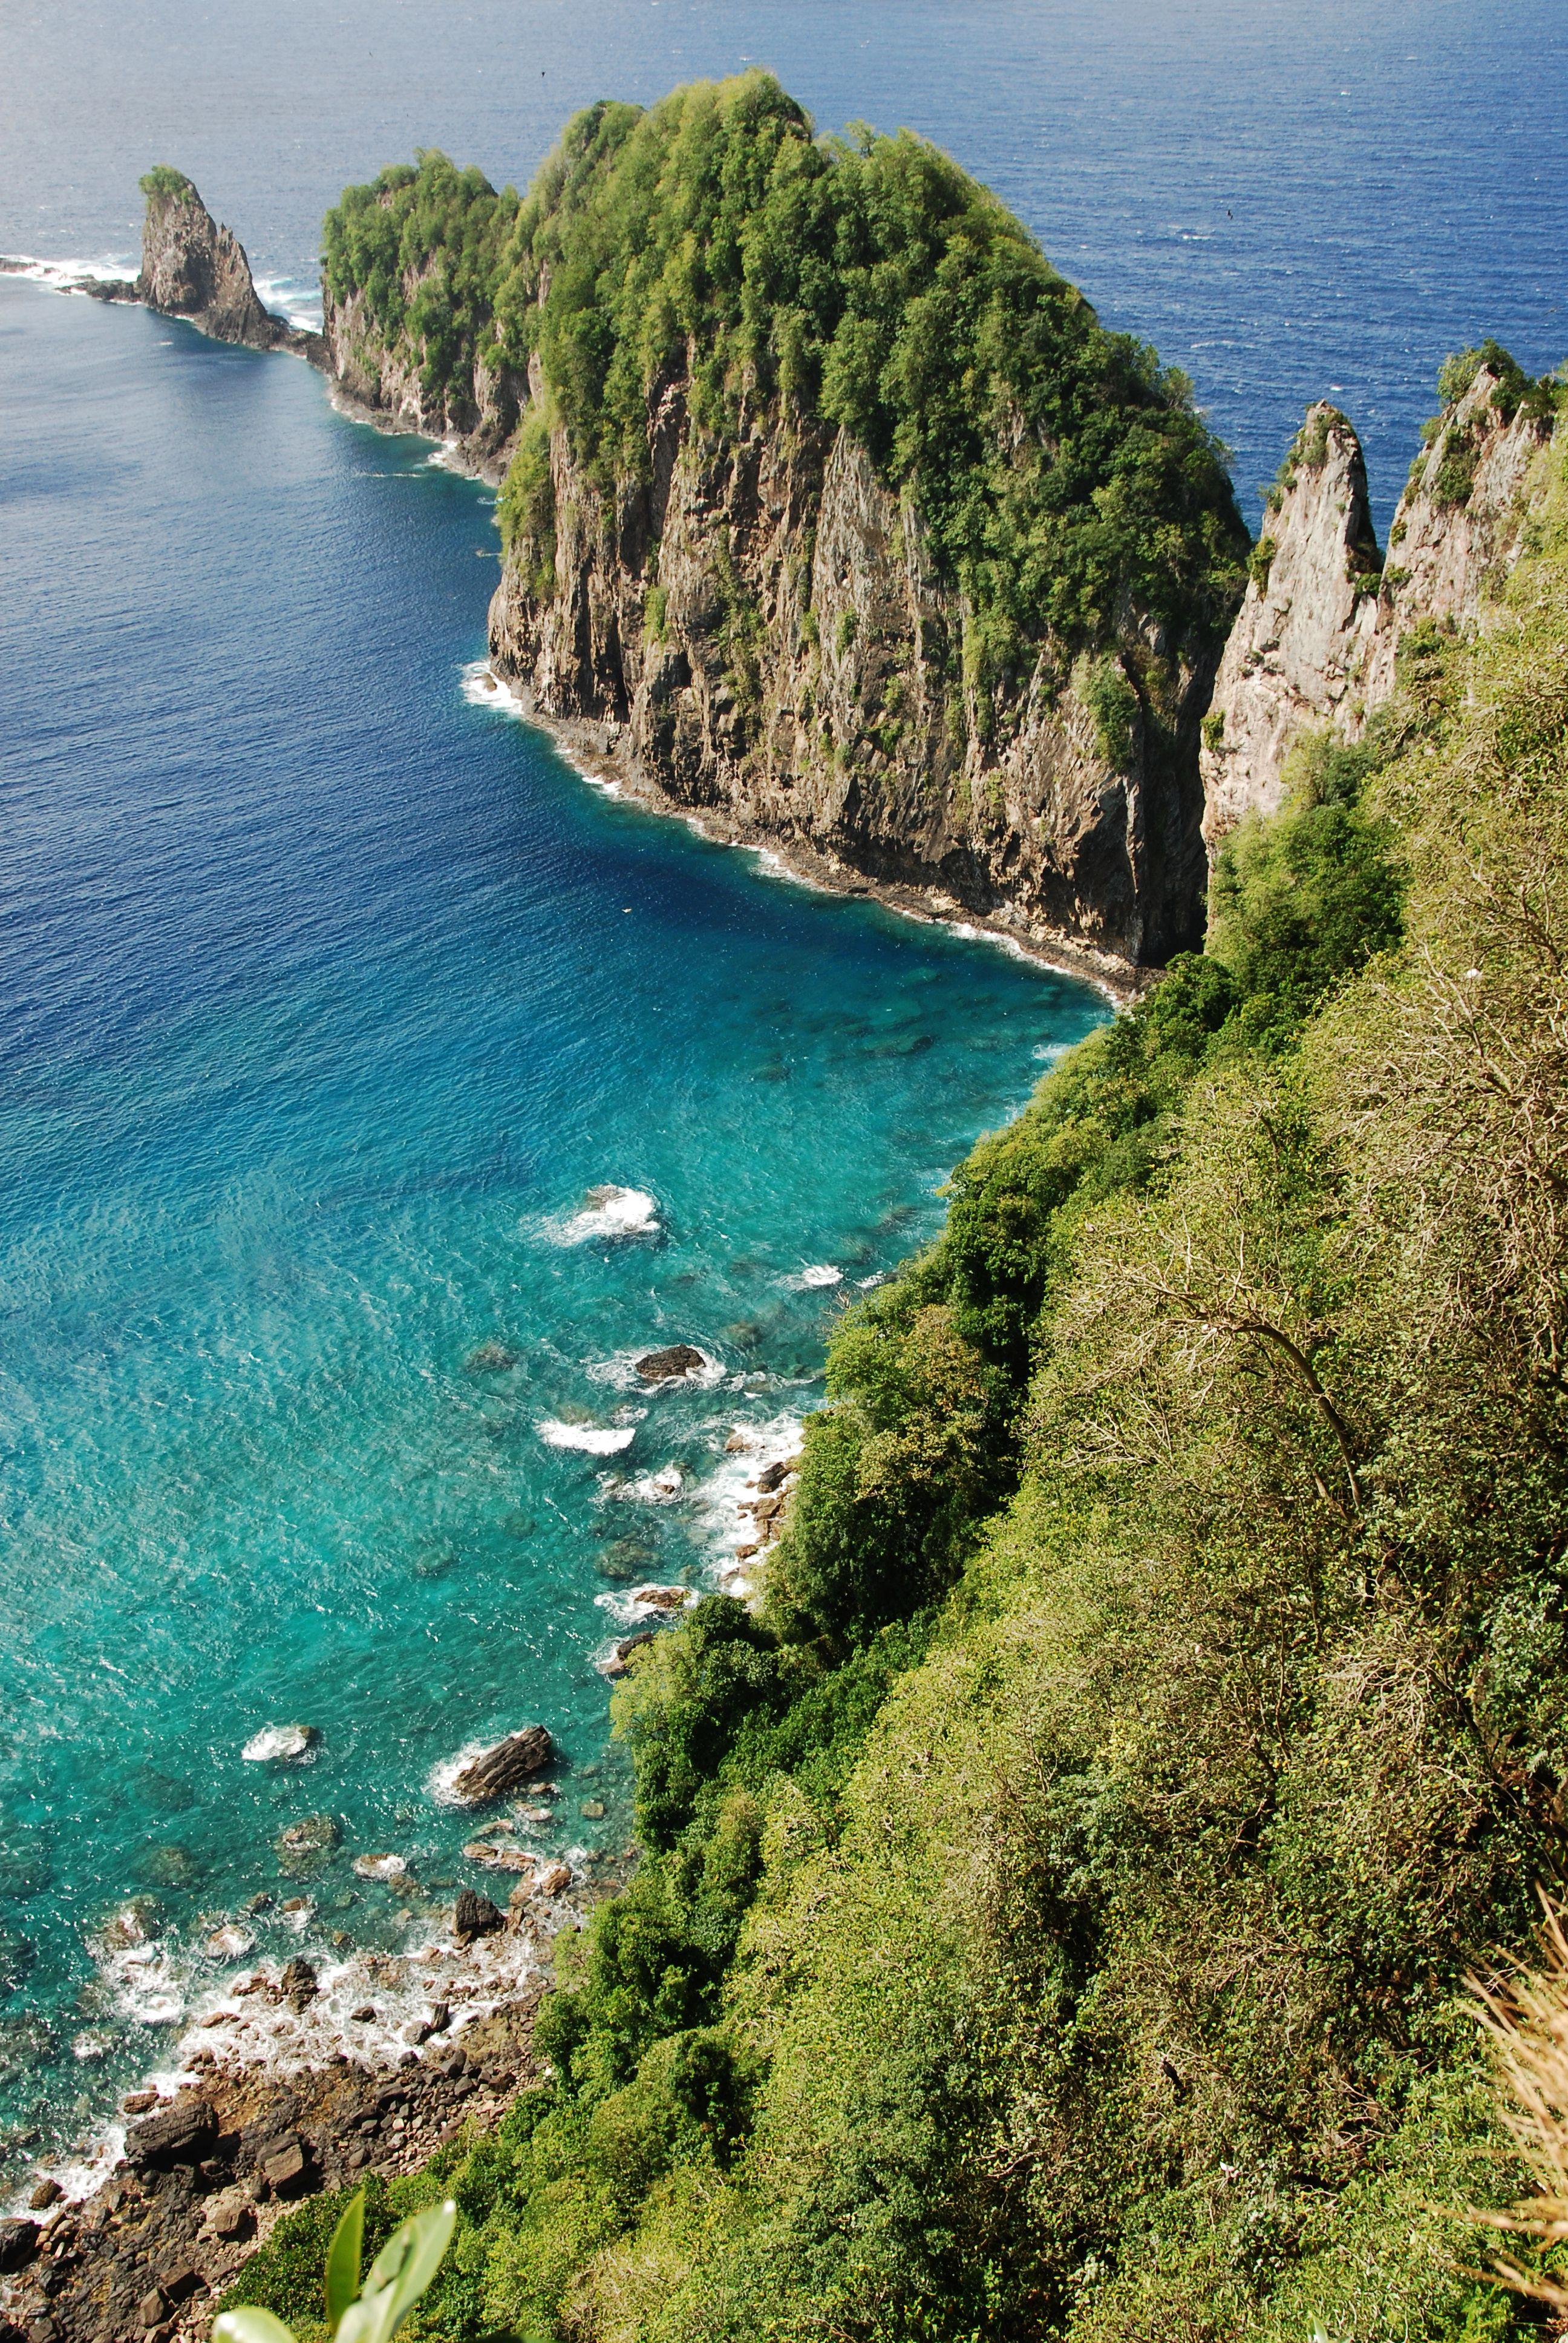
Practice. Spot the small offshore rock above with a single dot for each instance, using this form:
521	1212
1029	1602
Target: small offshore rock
592	1810
301	1842
660	1598
231	1942
475	1916
738	1444
554	1879
773	1476
504	1766
671	1365
137	2103
496	1857
280	1745
47	2192
381	1866
491	1358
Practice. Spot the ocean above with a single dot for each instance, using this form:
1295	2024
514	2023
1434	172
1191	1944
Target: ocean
374	1091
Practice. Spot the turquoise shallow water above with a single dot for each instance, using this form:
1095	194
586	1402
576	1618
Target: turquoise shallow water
329	995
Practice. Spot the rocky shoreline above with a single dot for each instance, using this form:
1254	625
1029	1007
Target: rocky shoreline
603	753
213	2158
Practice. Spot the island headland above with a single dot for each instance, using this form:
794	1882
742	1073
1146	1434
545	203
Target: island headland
1056	1889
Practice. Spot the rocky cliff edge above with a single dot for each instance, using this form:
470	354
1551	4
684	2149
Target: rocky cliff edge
757	632
1315	644
194	268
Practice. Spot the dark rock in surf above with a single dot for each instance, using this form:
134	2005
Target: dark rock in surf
671	1365
503	1767
475	1916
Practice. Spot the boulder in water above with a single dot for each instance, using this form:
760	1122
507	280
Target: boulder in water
475	1916
306	1841
504	1768
391	1867
491	1358
671	1365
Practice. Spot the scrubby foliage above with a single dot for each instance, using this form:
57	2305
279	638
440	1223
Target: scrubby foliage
163	180
1056	1906
865	281
421	247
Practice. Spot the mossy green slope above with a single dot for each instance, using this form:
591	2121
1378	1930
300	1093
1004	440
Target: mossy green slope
1056	1907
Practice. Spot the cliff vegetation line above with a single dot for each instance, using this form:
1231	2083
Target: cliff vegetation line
827	487
1055	1903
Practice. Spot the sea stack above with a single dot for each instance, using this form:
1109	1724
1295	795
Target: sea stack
195	267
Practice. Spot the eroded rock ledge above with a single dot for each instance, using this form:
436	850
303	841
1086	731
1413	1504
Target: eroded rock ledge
1315	646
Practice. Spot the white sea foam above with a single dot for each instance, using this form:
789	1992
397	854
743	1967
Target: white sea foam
728	1489
280	1744
68	275
609	1213
640	1603
593	1439
389	1867
660	1488
820	1273
772	865
482	688
286	298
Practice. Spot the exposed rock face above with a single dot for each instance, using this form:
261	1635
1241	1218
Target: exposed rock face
1315	644
1298	654
760	625
1461	521
504	1768
193	267
482	415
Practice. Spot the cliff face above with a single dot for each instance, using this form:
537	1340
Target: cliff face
479	410
1316	642
762	628
1461	522
1298	654
194	268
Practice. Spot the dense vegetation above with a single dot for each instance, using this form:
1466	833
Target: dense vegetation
163	179
1055	1906
867	282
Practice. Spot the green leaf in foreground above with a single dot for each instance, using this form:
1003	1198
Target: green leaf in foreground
343	2259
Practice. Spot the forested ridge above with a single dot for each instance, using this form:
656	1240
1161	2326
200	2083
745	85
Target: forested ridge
1057	1899
866	282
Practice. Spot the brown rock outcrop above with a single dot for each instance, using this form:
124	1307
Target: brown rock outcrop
760	627
1461	522
480	415
194	268
1315	644
506	1766
1298	653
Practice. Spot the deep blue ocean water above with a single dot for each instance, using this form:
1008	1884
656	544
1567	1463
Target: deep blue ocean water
327	994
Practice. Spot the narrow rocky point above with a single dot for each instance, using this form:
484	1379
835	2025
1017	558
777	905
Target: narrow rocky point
1316	642
195	268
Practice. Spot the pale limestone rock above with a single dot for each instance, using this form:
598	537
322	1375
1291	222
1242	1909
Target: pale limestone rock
1298	655
1448	556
